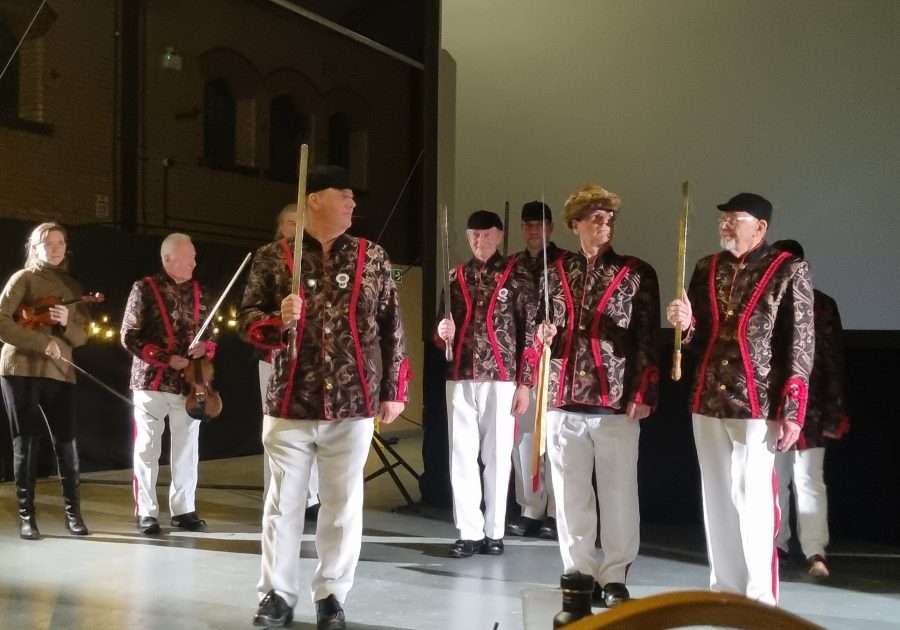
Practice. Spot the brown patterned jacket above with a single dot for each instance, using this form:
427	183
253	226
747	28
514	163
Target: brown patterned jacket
757	341
606	313
160	320
492	306
350	346
825	409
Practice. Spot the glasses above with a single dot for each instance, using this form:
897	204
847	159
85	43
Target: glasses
734	220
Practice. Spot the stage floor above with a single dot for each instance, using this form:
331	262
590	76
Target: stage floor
117	579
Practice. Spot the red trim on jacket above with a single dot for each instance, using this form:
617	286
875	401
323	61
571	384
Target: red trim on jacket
403	377
148	355
796	389
602	378
354	327
648	376
255	334
167	324
713	335
288	254
461	333
742	331
530	357
489	319
570	328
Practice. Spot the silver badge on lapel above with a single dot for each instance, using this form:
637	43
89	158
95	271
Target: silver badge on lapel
311	283
342	279
502	294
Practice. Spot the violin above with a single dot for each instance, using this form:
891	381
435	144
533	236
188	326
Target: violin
34	315
203	402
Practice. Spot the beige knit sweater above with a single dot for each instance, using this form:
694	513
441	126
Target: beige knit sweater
23	350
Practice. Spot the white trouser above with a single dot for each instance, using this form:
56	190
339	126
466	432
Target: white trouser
480	421
740	506
535	503
265	373
806	467
578	444
341	448
150	410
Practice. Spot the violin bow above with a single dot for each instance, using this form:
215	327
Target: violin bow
543	376
196	340
103	385
679	274
21	41
399	196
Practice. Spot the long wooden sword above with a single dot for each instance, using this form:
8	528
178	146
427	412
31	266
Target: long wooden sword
679	273
543	380
302	169
445	255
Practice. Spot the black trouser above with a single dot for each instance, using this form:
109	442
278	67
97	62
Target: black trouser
32	402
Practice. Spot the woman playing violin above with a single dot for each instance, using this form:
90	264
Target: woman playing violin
36	382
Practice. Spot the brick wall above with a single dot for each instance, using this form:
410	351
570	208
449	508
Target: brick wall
70	83
66	82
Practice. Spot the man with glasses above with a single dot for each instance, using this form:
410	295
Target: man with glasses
748	313
535	497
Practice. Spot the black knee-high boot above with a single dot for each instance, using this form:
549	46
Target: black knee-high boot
70	478
25	454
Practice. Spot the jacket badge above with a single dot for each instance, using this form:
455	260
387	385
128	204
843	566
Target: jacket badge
342	279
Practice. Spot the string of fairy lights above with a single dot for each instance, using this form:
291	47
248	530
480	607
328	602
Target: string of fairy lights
107	330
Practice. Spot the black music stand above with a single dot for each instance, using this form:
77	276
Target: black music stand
380	444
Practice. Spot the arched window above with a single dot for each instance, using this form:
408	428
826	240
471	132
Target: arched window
288	129
339	140
219	116
9	84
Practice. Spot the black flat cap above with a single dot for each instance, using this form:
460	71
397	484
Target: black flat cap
536	211
484	220
751	203
327	176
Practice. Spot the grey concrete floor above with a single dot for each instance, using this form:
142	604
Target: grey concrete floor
118	579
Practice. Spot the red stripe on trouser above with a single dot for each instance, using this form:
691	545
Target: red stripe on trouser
777	512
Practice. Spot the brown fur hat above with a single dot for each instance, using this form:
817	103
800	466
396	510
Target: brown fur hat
587	199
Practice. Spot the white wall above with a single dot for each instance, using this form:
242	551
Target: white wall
798	101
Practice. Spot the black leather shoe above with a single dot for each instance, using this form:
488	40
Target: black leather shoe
148	525
523	526
329	614
273	611
548	529
614	594
597	595
465	548
491	546
190	521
